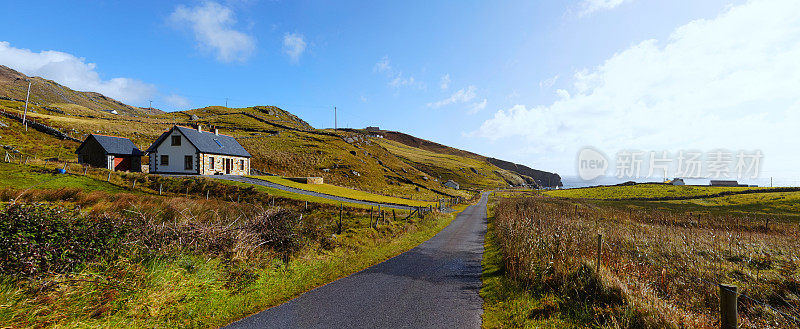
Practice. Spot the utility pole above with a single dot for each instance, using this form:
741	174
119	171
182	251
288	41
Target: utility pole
151	104
335	119
226	101
25	114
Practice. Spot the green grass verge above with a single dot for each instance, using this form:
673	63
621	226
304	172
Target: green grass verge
644	191
345	192
25	177
774	204
507	303
189	291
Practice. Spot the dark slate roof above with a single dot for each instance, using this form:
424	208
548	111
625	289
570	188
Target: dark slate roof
206	142
114	145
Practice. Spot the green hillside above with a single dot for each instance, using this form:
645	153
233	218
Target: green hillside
281	143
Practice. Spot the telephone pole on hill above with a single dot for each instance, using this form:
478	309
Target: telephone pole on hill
151	103
335	119
25	114
226	101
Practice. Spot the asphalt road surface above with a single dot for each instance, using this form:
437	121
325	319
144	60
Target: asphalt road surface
299	191
434	285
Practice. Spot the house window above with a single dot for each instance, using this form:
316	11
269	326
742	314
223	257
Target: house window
241	164
187	162
211	162
218	143
176	140
165	160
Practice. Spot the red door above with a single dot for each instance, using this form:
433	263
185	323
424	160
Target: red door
227	166
122	164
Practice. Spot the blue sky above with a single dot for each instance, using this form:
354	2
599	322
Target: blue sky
527	81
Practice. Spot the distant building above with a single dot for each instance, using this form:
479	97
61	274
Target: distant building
452	184
183	150
110	152
677	181
724	183
374	132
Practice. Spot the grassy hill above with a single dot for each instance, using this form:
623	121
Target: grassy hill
281	143
14	85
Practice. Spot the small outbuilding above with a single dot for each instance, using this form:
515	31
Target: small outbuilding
729	183
452	184
677	181
110	152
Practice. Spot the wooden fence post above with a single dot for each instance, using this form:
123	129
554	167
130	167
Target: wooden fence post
394	216
108	178
599	251
159	188
728	313
338	225
85	169
134	184
206	195
306	205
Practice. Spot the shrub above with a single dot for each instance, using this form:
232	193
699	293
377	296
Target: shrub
278	230
38	238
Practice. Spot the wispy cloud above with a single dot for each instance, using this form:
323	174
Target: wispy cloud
73	72
213	28
588	7
396	77
478	106
294	45
444	82
547	83
460	96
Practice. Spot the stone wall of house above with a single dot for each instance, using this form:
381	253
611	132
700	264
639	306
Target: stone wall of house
237	167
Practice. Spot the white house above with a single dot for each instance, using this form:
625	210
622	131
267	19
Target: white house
183	150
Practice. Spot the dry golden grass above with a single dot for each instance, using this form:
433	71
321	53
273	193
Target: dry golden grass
663	264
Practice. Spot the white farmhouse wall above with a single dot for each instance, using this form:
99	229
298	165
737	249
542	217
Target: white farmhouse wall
176	154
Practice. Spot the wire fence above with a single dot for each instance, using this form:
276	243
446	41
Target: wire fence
675	262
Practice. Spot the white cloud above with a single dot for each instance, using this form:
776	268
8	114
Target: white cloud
294	45
588	7
461	96
477	106
177	101
212	24
383	66
73	72
444	82
547	83
396	77
728	82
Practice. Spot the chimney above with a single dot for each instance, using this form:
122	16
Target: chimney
199	128
216	131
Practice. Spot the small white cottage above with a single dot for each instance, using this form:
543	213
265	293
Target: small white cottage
183	150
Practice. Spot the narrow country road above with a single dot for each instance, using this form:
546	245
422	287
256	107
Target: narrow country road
262	182
434	285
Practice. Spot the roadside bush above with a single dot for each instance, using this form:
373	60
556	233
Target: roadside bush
278	230
39	238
